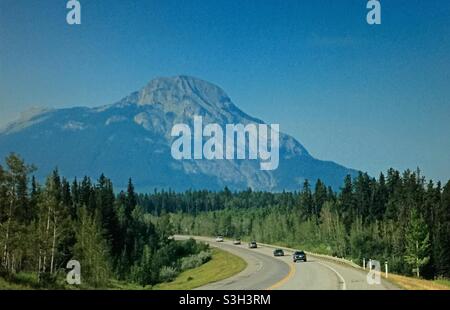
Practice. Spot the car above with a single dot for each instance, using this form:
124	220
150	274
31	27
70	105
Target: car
278	252
219	239
237	241
253	245
299	256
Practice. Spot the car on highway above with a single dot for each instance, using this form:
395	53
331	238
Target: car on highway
299	256
253	245
278	252
219	239
237	241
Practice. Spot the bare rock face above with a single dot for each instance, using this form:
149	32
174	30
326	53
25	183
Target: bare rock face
132	138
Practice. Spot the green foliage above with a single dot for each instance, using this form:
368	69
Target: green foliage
368	218
91	250
167	274
417	243
194	261
143	272
221	266
43	227
126	237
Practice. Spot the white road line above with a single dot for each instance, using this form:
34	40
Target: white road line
259	265
344	285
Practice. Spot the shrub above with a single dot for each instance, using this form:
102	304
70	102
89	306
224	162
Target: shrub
205	256
194	261
168	274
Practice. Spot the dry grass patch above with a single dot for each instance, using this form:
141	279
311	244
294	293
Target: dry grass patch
419	284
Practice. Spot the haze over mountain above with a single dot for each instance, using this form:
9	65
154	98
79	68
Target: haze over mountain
131	138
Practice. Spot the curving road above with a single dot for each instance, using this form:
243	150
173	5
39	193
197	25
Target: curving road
267	272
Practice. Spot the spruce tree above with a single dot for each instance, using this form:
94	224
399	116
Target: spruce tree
346	208
306	199
442	234
320	196
417	243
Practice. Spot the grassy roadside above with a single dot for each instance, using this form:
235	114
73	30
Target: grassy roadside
409	283
222	265
28	281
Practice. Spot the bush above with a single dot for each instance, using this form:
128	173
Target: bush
190	247
190	262
194	261
48	280
168	274
205	256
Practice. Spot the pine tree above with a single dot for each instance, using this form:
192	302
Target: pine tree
380	199
131	197
417	243
320	196
109	219
306	199
143	272
346	208
442	234
362	195
85	191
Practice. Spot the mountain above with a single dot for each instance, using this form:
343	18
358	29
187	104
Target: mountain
132	138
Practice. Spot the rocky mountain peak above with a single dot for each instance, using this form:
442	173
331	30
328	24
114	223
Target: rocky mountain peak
180	88
132	138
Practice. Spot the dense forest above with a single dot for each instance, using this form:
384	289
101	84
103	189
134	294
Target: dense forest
44	227
399	218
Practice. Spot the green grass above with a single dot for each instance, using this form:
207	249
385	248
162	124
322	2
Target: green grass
7	285
127	286
443	282
29	281
222	265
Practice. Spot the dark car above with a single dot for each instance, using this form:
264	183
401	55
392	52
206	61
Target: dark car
252	245
299	256
278	252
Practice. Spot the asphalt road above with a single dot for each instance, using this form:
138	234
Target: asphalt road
266	272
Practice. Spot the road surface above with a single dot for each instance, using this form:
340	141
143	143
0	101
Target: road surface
266	272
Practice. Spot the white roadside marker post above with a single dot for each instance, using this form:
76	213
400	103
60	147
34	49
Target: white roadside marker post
364	263
386	268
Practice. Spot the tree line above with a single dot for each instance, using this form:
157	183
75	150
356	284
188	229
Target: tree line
398	217
42	227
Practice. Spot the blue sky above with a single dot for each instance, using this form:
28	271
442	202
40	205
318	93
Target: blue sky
368	97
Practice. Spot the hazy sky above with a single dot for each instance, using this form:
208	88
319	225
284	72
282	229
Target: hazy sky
368	97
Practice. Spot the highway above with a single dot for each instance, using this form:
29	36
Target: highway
266	272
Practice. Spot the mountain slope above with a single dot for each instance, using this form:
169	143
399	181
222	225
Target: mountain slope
131	138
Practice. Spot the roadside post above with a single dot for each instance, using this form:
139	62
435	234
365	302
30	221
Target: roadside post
364	263
386	268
